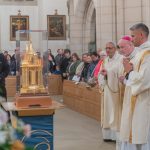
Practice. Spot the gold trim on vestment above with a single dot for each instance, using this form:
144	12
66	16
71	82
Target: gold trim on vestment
134	98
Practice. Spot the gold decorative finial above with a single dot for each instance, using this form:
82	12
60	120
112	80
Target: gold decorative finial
56	12
19	12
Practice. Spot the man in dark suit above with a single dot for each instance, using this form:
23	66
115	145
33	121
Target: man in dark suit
4	71
65	62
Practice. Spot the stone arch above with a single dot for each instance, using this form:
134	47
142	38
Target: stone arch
89	27
87	13
81	25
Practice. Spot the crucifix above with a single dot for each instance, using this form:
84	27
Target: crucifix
19	12
56	12
18	26
18	23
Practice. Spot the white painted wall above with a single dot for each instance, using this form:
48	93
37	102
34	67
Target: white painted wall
47	7
37	18
5	13
75	4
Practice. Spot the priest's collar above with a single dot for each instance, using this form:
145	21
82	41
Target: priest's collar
115	55
145	45
132	55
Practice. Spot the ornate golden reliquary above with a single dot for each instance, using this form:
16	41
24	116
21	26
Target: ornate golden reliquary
31	72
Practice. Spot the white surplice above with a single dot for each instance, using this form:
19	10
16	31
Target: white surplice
110	101
129	146
138	85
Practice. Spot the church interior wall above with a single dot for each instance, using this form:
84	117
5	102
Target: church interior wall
31	11
37	21
113	20
48	7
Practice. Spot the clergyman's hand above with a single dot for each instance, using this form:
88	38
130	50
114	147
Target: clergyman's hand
121	79
128	67
103	72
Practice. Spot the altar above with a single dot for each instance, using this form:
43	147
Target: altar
41	121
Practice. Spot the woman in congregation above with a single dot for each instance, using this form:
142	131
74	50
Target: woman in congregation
71	69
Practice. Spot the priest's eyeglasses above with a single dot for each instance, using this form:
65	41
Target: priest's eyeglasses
109	48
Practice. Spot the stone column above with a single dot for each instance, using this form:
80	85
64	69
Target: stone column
105	22
76	26
98	25
133	13
146	12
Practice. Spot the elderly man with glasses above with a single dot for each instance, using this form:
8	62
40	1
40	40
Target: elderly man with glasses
109	84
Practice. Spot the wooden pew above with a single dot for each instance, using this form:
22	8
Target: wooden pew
55	85
11	86
82	99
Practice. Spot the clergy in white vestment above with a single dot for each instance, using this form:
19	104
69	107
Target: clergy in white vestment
135	120
108	80
127	49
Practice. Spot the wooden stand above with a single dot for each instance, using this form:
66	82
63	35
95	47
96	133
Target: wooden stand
32	101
